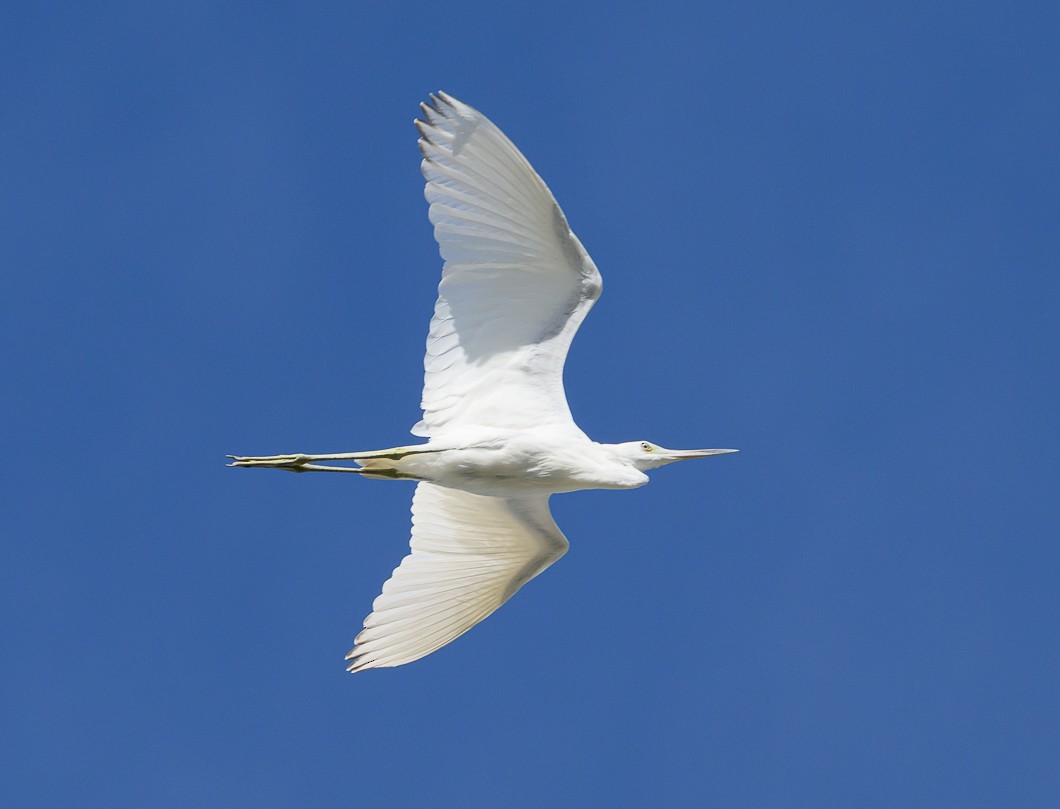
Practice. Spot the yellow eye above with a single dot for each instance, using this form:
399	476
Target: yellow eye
644	445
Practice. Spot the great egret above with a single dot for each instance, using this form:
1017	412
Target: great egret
515	287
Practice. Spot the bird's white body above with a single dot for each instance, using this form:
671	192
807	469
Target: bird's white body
511	463
516	285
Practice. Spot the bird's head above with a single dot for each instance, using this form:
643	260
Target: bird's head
645	455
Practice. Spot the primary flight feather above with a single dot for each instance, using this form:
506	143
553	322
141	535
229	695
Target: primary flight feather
516	285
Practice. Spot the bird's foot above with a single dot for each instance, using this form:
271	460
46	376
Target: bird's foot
292	463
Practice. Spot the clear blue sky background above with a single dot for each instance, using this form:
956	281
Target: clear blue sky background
829	236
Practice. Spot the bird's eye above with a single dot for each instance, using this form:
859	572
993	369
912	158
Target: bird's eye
644	445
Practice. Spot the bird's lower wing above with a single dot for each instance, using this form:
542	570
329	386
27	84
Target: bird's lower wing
470	554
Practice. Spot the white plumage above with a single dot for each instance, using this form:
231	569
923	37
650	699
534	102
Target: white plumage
470	553
516	285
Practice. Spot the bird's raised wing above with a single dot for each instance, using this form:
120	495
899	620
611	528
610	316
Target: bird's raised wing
470	554
515	286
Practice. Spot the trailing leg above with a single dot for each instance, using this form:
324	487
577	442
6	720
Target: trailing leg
373	463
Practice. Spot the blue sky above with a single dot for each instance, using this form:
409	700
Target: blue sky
829	237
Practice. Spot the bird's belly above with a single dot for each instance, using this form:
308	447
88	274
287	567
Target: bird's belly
497	473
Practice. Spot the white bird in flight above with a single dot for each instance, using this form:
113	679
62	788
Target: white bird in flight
516	285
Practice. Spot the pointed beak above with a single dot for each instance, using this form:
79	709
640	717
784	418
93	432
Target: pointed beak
685	454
